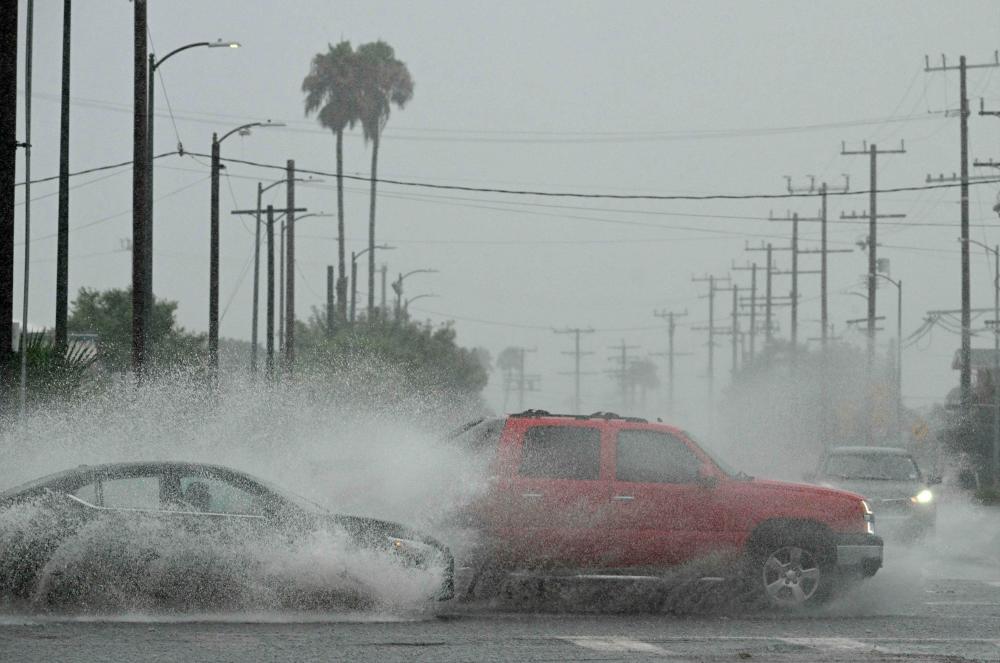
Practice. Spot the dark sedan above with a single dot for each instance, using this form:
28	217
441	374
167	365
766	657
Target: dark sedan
177	529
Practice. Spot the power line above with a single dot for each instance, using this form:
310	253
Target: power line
528	192
608	196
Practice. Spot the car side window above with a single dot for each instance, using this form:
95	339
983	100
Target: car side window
205	494
646	456
130	493
561	452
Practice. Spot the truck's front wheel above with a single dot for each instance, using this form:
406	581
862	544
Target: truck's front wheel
791	574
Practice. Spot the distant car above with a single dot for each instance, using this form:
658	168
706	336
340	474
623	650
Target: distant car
189	499
902	498
604	495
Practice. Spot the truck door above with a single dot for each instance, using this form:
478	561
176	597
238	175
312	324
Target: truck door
662	506
559	495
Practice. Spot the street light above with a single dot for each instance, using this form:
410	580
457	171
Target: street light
397	286
354	272
406	305
147	239
995	323
213	267
899	350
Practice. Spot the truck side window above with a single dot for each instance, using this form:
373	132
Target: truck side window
561	452
646	456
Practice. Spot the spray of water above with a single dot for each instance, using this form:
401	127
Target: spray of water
357	445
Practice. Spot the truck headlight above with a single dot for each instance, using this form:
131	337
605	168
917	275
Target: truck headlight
869	517
923	497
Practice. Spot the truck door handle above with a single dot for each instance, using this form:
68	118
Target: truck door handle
623	498
532	495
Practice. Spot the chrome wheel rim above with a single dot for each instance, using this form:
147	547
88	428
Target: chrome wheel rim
791	576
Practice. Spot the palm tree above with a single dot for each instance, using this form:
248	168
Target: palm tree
331	90
384	81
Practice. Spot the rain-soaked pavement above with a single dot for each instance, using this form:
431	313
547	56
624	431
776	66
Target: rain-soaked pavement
939	602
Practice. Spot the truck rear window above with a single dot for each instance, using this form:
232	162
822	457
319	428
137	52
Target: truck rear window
561	452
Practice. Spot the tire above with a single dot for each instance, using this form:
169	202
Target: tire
791	573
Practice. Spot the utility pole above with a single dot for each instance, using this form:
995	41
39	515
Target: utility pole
736	327
621	356
256	213
795	272
965	382
523	384
329	301
671	318
270	291
383	269
770	299
872	151
752	268
8	170
290	278
140	175
823	190
712	289
577	354
62	224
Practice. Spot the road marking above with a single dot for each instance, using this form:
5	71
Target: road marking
835	644
613	644
976	603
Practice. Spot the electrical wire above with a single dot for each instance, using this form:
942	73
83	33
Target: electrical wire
608	196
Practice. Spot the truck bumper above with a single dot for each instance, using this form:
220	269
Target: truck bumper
862	552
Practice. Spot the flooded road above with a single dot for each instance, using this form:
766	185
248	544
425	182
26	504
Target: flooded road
924	606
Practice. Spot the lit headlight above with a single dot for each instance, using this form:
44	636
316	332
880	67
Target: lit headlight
923	497
414	552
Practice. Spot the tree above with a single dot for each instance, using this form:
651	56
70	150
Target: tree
384	81
331	89
54	372
399	365
108	314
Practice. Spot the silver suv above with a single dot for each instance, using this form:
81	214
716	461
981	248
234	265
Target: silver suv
901	497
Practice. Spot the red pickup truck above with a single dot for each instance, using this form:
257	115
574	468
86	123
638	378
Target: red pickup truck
622	495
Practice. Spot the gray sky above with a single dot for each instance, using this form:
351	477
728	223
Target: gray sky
561	96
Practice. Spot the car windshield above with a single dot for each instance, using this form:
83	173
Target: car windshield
883	467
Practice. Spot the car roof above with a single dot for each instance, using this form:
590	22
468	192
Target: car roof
880	451
116	467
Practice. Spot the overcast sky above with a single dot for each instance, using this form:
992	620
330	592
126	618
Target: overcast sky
595	97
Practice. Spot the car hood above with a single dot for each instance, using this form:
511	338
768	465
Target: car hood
372	532
877	489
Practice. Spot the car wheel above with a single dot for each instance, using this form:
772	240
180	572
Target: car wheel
792	575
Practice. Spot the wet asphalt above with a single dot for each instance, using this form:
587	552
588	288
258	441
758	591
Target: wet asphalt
936	602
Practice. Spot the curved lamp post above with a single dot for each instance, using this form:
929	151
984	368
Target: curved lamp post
397	286
354	272
213	267
899	351
282	285
147	239
406	305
